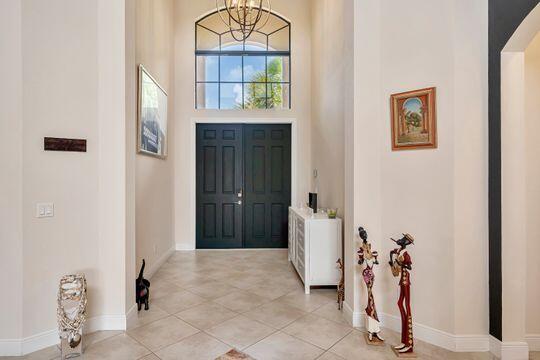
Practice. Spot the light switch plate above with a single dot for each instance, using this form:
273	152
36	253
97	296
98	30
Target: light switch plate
44	210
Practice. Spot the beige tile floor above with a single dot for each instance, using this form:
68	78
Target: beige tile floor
205	303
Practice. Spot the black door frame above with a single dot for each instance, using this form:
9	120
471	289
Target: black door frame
238	121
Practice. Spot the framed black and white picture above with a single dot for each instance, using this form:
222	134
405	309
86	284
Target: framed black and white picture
152	124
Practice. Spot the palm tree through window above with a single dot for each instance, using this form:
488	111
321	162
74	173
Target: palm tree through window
254	74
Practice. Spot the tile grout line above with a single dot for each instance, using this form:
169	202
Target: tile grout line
258	307
141	344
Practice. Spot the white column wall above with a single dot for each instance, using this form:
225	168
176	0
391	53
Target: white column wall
154	39
11	174
64	69
532	128
471	313
514	230
439	196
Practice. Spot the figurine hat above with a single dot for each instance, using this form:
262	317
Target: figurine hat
409	238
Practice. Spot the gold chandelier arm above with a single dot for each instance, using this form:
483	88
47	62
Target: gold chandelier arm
267	14
246	15
228	10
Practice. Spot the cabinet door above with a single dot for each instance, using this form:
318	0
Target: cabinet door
324	252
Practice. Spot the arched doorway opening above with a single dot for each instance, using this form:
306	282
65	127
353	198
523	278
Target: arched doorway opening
520	186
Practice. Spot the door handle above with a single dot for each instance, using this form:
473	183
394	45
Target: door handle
239	202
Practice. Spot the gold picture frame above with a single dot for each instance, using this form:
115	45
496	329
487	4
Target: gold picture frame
414	120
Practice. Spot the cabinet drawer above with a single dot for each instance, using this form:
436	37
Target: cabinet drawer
300	238
301	269
300	224
301	254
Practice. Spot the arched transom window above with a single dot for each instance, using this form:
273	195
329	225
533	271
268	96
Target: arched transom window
253	74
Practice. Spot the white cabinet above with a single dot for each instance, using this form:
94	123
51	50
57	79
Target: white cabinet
314	247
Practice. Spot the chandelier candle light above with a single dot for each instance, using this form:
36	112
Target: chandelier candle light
243	17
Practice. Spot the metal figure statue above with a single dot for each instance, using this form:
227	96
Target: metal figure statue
369	257
401	264
341	285
71	314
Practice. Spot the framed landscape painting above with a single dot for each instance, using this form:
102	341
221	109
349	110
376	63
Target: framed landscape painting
152	124
414	120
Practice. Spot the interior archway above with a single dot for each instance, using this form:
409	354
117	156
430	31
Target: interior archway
520	70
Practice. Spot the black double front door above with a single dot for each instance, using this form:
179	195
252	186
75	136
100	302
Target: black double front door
243	185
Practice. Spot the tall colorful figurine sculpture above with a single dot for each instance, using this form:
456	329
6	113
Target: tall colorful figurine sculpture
369	257
401	264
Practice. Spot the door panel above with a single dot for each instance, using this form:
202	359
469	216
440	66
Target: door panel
267	185
219	180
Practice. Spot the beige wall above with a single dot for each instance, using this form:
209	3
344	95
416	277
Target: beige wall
67	79
328	108
154	177
440	195
519	97
131	75
471	167
11	240
60	78
186	14
514	231
363	157
532	127
350	13
65	89
521	292
417	186
113	223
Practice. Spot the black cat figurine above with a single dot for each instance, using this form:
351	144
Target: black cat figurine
142	288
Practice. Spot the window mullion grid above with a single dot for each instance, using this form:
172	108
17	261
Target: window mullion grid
219	82
196	79
219	54
247	82
266	80
243	93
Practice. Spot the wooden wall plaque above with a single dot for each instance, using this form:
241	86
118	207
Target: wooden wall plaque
60	144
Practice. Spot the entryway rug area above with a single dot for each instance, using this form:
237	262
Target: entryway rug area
235	355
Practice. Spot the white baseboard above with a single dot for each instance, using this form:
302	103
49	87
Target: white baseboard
495	346
534	341
456	343
159	262
10	347
421	332
244	249
514	351
20	347
471	343
348	314
131	316
105	322
39	341
356	319
184	247
509	350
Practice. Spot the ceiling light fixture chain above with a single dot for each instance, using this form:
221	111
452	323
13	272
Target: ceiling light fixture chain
243	17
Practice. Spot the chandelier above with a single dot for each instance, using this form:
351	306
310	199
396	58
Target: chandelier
243	17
